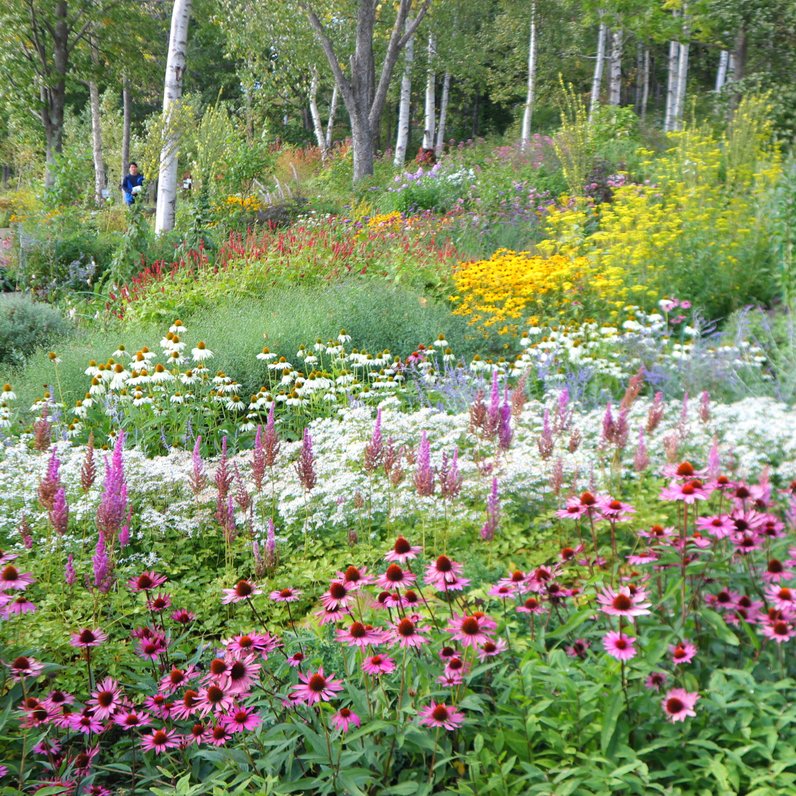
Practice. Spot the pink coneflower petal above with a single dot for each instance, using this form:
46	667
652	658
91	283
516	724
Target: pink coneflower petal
344	719
623	602
159	741
241	719
438	714
471	631
683	652
678	704
146	581
88	637
316	687
408	633
619	646
285	595
402	551
378	664
12	579
242	590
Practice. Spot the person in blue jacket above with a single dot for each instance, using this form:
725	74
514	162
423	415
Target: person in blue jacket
131	181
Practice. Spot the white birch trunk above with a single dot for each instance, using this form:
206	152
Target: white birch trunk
682	74
671	86
332	114
645	89
404	106
431	104
96	131
172	94
317	124
721	74
615	73
527	113
439	148
599	63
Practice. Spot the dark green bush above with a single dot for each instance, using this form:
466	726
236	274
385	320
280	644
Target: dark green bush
25	325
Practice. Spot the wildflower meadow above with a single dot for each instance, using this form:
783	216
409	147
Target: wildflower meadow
386	430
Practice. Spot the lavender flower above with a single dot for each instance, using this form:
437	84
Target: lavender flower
490	527
270	544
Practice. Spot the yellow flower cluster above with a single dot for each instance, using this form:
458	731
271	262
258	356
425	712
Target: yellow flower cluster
506	289
390	221
249	203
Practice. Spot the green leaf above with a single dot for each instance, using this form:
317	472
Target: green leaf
719	626
612	712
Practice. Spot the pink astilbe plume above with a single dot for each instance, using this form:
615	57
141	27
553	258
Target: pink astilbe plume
112	509
305	466
24	532
374	450
69	571
424	475
492	420
101	564
563	416
270	545
270	440
505	432
546	442
641	460
450	477
51	482
198	478
88	471
655	413
518	396
478	413
223	481
59	513
242	496
704	406
490	527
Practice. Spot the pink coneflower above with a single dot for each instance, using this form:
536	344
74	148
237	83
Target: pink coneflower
81	762
17	605
656	681
328	615
241	674
746	542
395	578
402	551
623	602
682	652
689	492
657	533
576	507
285	595
344	719
186	706
214	698
471	631
86	637
86	722
783	597
218	734
648	556
12	579
722	600
177	678
359	635
354	577
444	574
619	646
242	590
159	603
407	633
131	719
678	704
261	643
48	747
684	471
531	606
502	591
438	714
775	571
6	556
241	720
719	526
152	647
337	595
57	698
25	666
489	649
378	664
316	687
296	659
146	581
183	617
197	734
159	741
159	705
578	648
614	510
106	699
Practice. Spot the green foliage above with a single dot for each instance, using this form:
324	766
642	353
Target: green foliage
783	239
25	325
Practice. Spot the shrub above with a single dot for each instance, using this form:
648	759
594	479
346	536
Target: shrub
25	325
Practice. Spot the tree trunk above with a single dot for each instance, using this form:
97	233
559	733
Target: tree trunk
96	131
682	74
362	141
439	148
53	94
615	75
332	114
527	114
645	86
404	106
599	63
721	72
431	104
317	124
172	94
671	86
125	125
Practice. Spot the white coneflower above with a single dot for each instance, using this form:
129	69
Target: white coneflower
280	398
7	394
161	375
189	377
330	397
310	360
333	349
280	364
74	430
266	355
177	398
201	352
54	358
343	338
92	369
248	426
120	376
302	352
345	379
178	327
176	359
235	404
294	399
441	342
139	399
147	354
448	356
221	378
288	377
320	346
97	387
120	352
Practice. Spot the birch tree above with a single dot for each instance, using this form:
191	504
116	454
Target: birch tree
430	103
317	124
615	70
599	64
527	114
363	93
100	180
172	94
439	147
404	104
